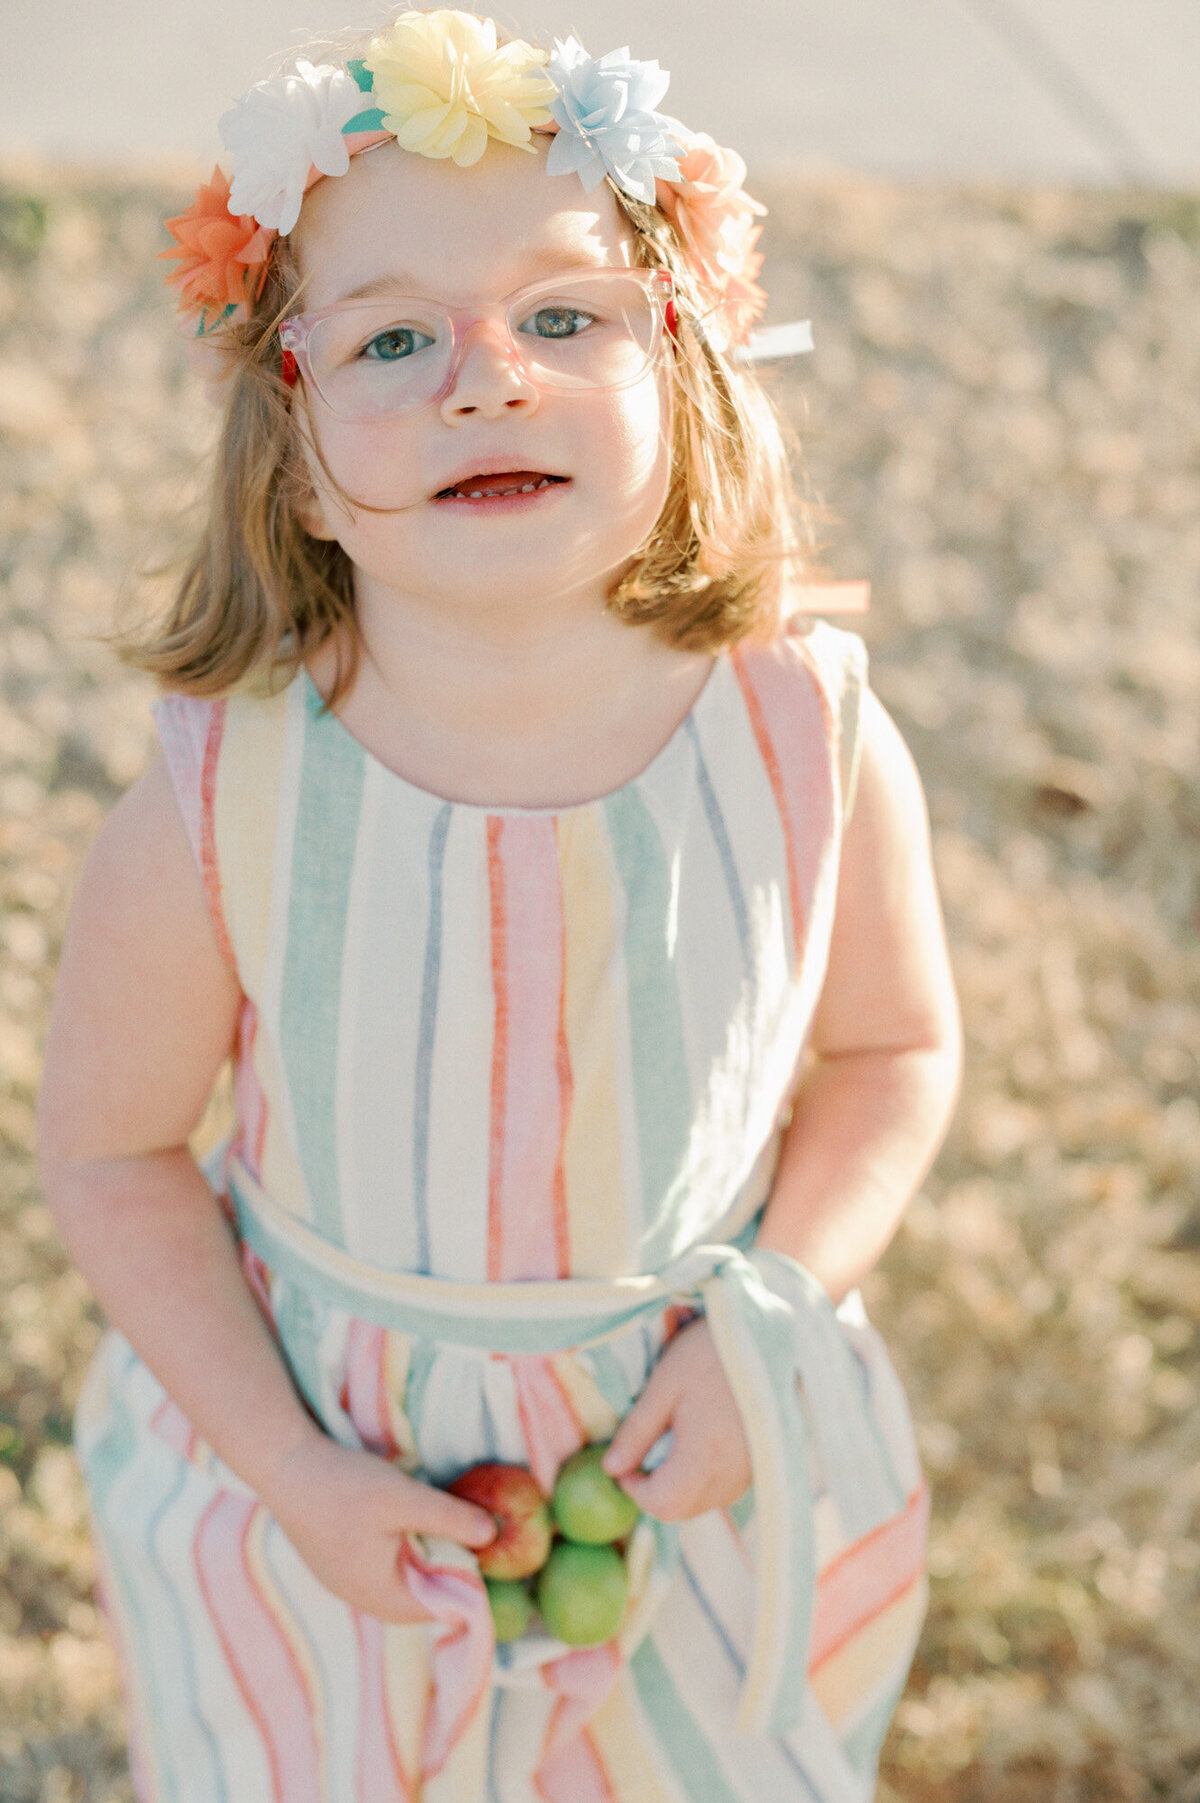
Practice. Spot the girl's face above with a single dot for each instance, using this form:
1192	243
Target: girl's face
464	237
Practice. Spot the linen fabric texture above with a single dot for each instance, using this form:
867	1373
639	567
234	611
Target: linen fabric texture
510	1085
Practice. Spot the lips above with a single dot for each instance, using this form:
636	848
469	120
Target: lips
482	486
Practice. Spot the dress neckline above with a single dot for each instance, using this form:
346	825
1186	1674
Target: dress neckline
315	703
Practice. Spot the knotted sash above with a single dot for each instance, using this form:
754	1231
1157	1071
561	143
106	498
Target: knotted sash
801	1391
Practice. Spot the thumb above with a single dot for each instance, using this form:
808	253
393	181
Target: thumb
432	1511
649	1417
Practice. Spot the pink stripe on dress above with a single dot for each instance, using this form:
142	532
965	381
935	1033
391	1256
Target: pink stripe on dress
381	1774
256	1649
462	1649
250	1102
365	1395
788	723
191	731
531	1079
863	1580
552	1429
574	1773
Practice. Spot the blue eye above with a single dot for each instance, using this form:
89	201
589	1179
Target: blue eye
395	343
559	322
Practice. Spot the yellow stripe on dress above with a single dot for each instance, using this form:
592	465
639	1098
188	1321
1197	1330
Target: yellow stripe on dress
598	1222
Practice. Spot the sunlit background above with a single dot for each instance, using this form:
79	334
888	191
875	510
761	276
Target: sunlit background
1062	90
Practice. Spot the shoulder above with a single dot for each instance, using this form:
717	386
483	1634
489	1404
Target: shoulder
140	876
811	672
145	1005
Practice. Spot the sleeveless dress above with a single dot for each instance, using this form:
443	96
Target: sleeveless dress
510	1085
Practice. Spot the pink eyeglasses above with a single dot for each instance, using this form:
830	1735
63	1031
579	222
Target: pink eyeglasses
375	360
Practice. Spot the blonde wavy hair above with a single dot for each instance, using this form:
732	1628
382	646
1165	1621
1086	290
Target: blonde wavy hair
259	593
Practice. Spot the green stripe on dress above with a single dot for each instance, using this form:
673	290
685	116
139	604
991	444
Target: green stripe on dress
106	1459
678	1732
325	836
661	1085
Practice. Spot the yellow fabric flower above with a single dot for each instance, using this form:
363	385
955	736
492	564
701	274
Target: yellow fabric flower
444	86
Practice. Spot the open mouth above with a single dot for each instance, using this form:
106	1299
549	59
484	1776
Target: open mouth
496	487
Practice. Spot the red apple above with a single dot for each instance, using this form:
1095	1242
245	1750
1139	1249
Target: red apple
521	1513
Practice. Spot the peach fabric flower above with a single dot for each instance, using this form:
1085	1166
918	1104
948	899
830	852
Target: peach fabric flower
444	86
717	221
222	256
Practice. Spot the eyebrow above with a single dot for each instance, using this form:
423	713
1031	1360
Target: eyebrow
541	262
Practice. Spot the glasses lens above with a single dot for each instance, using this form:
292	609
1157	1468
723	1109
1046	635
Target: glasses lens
384	358
372	362
586	332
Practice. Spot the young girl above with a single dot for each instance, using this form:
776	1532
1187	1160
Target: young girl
565	905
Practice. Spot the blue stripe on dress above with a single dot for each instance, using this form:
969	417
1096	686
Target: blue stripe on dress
184	1643
107	1459
678	1732
720	834
324	840
426	1026
739	1666
660	1080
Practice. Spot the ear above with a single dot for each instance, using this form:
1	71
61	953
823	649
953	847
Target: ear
310	511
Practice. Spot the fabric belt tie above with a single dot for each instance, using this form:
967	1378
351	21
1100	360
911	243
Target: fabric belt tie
801	1391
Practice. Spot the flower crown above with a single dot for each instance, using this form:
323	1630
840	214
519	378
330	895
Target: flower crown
441	85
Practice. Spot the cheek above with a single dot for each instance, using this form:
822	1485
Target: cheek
641	435
379	468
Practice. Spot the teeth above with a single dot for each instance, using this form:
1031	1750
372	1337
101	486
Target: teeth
492	494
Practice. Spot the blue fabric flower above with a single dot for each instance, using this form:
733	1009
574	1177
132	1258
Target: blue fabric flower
607	122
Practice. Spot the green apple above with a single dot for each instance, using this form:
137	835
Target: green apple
582	1591
588	1505
511	1606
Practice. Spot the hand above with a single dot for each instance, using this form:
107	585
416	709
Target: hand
708	1466
345	1512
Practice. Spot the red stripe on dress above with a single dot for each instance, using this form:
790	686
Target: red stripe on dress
262	1663
775	777
789	717
365	1388
574	1772
551	1428
566	1093
527	1224
868	1577
499	1046
209	869
381	1775
250	1102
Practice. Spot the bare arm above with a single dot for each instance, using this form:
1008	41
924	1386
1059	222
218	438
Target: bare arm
876	1100
869	1116
144	1015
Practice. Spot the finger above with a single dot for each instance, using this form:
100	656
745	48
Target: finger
676	1489
428	1510
649	1417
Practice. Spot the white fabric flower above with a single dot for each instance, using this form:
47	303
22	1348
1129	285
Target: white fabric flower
607	122
279	130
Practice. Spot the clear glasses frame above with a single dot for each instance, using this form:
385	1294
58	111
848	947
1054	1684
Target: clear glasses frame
296	336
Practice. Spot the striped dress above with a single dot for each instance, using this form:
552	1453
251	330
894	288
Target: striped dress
509	1087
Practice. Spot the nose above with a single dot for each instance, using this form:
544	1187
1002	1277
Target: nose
487	377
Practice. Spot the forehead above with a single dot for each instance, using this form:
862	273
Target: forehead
457	235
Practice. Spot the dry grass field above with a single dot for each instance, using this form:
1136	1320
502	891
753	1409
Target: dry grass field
1003	416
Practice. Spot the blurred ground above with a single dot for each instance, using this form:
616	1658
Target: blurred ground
1004	413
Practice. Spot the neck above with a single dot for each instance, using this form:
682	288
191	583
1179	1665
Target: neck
528	706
